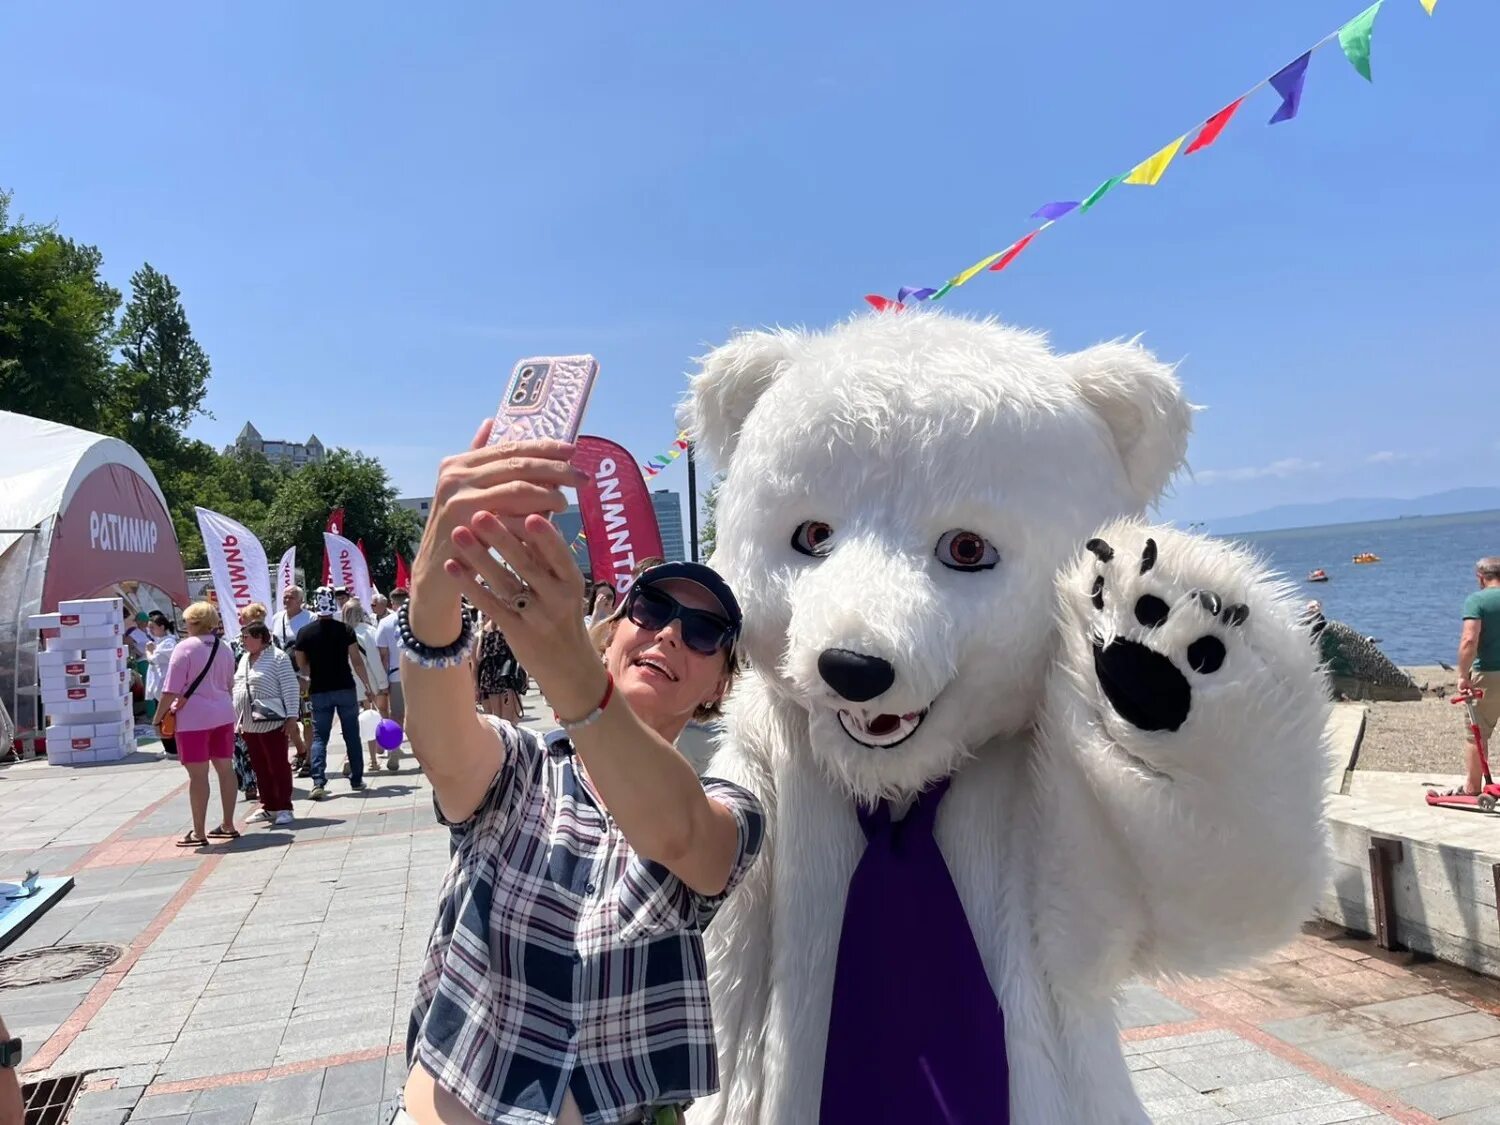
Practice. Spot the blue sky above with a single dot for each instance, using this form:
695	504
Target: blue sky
372	210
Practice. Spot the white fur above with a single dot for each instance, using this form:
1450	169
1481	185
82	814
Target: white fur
1085	851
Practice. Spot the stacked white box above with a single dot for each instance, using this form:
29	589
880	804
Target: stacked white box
84	674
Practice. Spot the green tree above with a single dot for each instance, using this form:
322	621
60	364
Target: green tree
56	321
708	528
359	485
162	377
241	485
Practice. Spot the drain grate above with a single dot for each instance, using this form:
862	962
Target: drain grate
56	963
47	1102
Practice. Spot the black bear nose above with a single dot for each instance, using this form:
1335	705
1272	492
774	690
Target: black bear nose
854	675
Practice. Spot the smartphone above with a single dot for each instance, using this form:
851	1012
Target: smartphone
545	398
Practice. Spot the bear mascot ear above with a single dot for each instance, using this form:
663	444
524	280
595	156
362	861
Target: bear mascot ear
1142	403
730	381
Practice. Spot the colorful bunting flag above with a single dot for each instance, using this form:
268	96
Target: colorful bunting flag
1012	252
879	303
1288	83
1099	193
974	270
1213	127
1150	171
1354	38
1053	211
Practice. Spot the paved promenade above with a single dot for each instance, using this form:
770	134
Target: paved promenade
268	980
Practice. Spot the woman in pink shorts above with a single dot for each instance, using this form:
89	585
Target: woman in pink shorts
199	693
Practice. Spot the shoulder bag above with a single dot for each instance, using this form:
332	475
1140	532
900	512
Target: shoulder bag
262	712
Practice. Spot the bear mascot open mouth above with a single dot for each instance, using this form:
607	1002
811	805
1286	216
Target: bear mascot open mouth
881	732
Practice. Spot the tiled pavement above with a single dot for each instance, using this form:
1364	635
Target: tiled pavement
268	980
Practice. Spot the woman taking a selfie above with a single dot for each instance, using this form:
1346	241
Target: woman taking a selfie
565	976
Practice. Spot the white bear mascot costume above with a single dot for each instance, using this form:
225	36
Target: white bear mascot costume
1015	746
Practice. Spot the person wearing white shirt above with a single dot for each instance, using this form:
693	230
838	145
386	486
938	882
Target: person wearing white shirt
291	617
386	637
163	639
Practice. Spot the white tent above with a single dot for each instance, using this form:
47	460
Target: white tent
81	516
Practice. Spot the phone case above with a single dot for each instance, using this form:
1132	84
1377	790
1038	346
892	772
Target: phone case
551	404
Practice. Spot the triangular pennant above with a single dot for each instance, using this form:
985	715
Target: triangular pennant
1099	193
975	269
1150	171
1354	38
1010	254
877	302
942	291
1213	127
1054	210
1429	5
1288	83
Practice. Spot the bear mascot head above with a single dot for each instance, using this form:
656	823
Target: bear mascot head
900	494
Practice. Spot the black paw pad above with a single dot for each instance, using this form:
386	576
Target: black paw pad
1096	595
1143	686
1100	549
1206	655
1148	556
1151	611
1236	614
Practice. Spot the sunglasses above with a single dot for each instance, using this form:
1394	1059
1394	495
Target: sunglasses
653	610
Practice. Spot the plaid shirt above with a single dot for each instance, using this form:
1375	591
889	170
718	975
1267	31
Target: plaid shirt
562	960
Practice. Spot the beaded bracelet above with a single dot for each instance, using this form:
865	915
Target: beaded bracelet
425	656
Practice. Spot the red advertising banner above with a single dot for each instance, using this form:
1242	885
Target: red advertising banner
334	526
616	508
113	530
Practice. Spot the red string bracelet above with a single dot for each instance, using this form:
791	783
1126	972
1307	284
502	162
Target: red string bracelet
597	713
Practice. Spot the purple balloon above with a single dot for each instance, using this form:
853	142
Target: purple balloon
388	734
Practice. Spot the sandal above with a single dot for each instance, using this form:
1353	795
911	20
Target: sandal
191	839
224	834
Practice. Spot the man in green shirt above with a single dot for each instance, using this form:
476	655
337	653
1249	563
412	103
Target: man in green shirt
1479	658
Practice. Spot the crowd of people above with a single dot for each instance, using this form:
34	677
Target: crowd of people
258	712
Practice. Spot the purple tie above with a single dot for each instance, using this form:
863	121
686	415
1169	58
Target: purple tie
916	1034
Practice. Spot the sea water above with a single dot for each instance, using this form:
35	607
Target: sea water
1412	599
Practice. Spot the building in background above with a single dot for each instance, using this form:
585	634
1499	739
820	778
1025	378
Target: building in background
668	505
295	454
422	505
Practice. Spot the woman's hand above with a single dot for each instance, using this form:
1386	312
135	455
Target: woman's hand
537	604
510	481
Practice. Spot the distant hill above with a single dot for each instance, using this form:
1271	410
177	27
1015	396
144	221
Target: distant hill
1358	511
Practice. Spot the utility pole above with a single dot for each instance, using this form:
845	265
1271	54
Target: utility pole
693	500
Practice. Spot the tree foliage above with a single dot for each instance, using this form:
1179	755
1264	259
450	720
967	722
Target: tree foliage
162	376
56	324
708	528
359	485
64	358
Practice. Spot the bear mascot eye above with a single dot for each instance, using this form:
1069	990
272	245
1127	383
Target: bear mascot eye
811	538
966	550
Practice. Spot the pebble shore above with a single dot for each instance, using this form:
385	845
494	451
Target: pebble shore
1427	735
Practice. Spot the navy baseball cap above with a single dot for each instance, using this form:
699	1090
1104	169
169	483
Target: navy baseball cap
702	576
